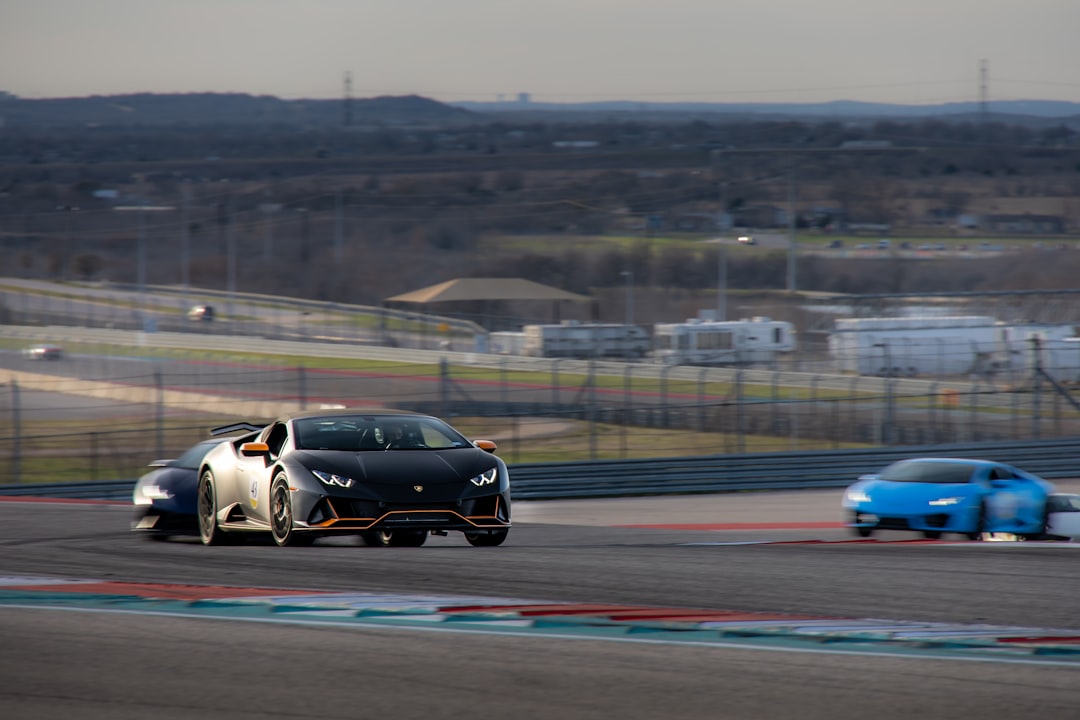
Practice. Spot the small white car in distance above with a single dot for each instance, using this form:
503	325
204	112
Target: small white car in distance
44	351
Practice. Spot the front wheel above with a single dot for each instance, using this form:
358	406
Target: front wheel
980	524
863	531
493	538
406	538
209	532
394	538
373	538
281	515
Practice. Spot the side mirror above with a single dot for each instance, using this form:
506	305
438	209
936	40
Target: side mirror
486	445
254	449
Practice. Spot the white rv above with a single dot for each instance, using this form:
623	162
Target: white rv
585	340
733	342
935	345
506	342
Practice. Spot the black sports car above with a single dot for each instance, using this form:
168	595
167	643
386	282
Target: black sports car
391	477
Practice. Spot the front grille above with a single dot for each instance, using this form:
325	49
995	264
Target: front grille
398	519
893	523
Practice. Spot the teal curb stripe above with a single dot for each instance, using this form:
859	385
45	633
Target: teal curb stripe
981	641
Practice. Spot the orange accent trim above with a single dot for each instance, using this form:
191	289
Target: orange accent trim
375	521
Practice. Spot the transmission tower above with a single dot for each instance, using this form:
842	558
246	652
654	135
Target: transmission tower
348	98
984	72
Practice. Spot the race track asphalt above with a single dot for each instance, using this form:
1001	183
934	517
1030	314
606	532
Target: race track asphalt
96	662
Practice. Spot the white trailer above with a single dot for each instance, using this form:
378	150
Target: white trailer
935	345
585	340
732	342
1058	356
506	342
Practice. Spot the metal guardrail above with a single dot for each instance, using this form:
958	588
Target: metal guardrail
769	471
704	474
102	490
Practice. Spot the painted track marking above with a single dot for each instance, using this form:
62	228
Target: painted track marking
595	621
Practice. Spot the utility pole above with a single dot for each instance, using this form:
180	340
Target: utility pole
230	241
339	229
890	400
721	282
303	234
629	275
185	245
348	98
142	257
984	72
791	231
268	232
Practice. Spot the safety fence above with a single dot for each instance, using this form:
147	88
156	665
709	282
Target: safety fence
1052	459
104	411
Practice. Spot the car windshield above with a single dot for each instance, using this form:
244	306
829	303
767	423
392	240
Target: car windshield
928	471
376	432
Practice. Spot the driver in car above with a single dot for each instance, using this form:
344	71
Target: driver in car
404	435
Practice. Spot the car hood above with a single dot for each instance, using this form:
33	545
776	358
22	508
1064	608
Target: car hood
915	494
452	466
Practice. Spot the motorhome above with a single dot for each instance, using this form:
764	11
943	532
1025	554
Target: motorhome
758	340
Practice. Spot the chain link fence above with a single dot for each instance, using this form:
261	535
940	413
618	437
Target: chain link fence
98	417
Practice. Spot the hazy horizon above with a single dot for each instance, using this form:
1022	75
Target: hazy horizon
914	53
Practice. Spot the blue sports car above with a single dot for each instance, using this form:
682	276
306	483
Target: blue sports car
939	495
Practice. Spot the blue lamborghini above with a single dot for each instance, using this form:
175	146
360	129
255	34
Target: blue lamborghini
939	495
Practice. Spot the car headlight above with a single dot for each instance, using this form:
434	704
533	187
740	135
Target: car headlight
333	480
485	478
855	497
149	493
946	501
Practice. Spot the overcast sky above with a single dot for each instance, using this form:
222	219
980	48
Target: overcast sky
906	51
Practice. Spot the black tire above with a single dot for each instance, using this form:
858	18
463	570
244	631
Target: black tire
281	515
209	532
373	538
403	538
494	538
931	534
980	524
862	531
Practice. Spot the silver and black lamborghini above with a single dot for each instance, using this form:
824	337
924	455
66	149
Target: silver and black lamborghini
391	477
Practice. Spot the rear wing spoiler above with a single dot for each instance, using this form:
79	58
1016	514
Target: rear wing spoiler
226	429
